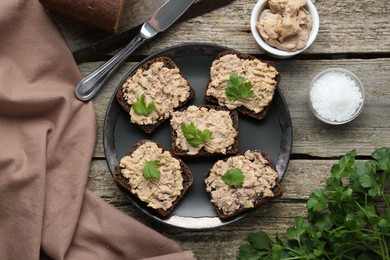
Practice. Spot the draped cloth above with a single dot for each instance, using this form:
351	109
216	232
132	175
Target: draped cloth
47	138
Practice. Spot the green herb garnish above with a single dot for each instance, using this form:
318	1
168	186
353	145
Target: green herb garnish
233	177
193	135
237	88
141	108
150	171
350	219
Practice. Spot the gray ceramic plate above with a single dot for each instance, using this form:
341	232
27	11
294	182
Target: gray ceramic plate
273	134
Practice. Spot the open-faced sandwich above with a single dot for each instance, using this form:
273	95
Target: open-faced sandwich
242	82
242	182
154	176
204	130
153	92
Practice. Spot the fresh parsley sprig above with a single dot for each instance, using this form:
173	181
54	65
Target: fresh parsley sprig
140	107
193	135
238	89
350	219
151	171
233	177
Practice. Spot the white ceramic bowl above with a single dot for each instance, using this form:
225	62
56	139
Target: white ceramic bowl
274	52
341	99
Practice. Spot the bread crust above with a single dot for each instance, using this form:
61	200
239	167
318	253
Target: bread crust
277	191
203	153
243	110
102	14
169	63
186	174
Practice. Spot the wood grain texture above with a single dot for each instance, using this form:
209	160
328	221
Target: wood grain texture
301	178
353	35
87	42
310	136
346	27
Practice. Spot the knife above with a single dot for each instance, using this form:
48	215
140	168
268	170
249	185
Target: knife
161	20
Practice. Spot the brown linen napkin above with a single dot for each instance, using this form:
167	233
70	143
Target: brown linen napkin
47	139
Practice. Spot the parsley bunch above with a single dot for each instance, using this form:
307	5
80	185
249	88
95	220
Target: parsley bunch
350	219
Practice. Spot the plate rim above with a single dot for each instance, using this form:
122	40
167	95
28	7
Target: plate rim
285	123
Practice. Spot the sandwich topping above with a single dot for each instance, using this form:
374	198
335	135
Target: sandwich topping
286	25
261	76
163	86
159	193
259	180
219	122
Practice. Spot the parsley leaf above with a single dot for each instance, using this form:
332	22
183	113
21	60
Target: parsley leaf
150	171
238	89
382	156
194	136
317	201
296	232
260	245
233	177
141	108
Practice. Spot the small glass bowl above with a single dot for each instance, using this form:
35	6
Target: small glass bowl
358	84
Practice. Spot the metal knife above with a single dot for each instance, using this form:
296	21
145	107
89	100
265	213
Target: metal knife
161	20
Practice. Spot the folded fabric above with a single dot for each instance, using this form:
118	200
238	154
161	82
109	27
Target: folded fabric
47	142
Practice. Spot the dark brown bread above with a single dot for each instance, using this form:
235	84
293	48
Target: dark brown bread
243	110
102	14
168	62
186	174
259	200
231	151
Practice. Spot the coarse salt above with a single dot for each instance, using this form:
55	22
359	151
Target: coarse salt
335	96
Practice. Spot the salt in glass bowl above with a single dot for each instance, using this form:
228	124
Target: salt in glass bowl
312	105
272	51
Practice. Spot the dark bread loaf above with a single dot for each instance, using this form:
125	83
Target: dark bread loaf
230	150
186	174
241	108
102	14
257	199
169	64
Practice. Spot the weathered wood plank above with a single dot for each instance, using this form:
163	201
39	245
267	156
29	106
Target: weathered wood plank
366	133
86	42
346	27
302	177
230	26
311	137
103	97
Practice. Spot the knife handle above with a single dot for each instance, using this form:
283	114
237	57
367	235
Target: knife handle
89	86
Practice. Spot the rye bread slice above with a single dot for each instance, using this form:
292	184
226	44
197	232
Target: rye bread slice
102	14
123	182
233	149
243	110
258	200
168	63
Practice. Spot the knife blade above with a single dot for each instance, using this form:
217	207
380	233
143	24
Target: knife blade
161	20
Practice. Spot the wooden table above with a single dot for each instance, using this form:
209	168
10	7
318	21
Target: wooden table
354	35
